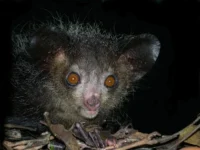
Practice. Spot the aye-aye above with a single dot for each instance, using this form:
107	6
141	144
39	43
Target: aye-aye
76	72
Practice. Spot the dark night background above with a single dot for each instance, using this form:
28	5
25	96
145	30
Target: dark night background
167	99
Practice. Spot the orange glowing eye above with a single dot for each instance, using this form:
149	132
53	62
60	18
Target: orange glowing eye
110	81
73	79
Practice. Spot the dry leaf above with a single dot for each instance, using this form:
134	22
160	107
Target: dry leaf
64	135
194	139
190	148
59	131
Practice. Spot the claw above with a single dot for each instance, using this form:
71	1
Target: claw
101	143
153	135
111	142
91	138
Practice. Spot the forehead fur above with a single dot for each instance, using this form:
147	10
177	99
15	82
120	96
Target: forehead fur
89	47
91	56
85	40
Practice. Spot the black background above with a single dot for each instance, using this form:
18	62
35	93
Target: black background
167	99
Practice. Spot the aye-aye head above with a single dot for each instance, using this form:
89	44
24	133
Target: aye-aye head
89	71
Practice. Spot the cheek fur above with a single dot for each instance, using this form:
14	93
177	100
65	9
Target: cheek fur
77	94
104	94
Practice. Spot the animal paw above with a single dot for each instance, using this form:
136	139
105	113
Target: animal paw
153	135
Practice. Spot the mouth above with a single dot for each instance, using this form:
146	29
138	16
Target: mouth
88	114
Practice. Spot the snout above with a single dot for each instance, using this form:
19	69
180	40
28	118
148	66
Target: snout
92	103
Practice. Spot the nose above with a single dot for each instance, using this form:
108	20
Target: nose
92	103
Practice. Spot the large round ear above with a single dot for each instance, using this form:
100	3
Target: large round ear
140	53
47	41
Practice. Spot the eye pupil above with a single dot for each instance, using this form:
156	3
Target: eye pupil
73	79
110	81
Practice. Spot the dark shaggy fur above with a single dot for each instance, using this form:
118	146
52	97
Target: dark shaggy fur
45	55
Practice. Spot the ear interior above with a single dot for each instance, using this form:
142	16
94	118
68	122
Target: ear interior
60	57
140	53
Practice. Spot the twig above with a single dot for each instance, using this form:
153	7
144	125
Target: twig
196	120
186	137
18	127
167	138
28	144
146	141
162	140
133	145
5	144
